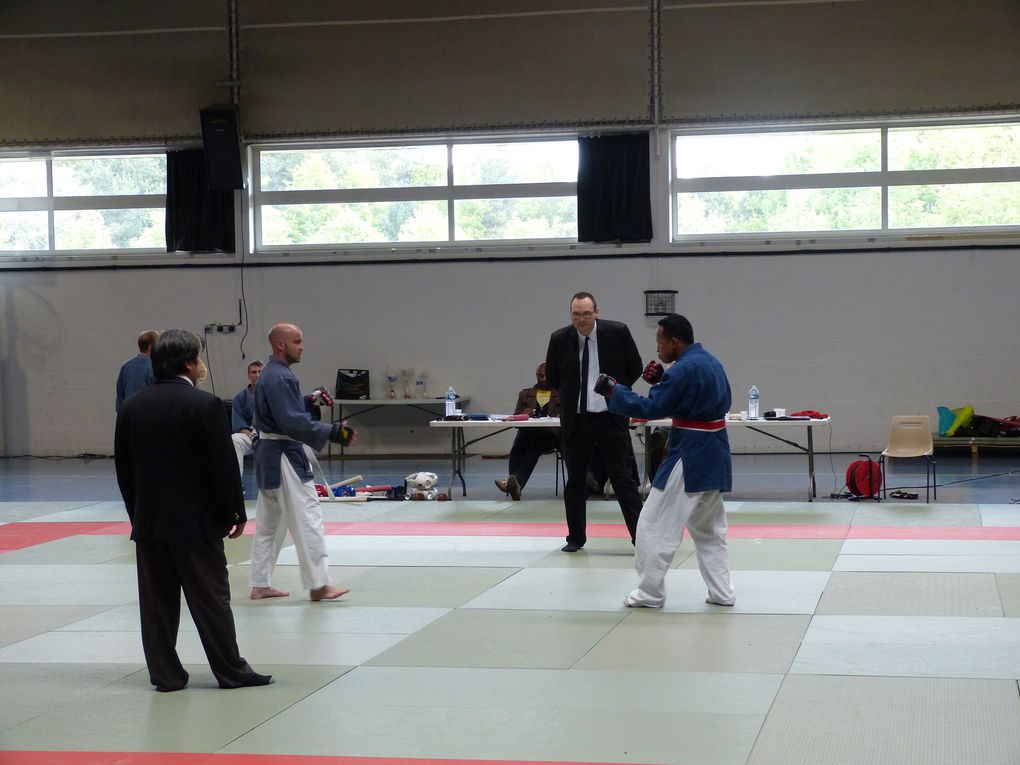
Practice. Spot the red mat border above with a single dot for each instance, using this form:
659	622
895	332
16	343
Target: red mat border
23	534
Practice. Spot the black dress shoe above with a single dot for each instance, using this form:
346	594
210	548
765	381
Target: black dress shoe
513	488
571	547
252	681
170	686
256	679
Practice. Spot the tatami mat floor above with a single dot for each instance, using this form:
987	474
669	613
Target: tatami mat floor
863	633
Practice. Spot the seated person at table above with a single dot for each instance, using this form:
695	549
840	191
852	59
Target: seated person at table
242	417
531	443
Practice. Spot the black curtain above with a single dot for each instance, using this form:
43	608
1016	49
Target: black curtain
198	219
614	201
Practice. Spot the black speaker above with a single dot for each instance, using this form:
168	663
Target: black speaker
221	139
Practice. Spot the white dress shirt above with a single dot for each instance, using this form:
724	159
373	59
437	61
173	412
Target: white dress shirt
596	402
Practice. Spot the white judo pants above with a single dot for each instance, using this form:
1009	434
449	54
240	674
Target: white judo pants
242	447
660	530
293	507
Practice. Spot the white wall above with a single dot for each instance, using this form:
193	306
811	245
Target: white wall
860	335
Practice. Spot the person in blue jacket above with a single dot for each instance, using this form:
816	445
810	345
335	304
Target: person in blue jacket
242	417
136	373
287	421
687	489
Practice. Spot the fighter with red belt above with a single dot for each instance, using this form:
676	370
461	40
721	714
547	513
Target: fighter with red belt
687	488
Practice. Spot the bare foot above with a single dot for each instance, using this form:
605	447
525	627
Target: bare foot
327	592
260	593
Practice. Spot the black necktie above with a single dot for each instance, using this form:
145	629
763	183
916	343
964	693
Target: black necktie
583	402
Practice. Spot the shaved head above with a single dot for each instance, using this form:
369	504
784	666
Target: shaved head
281	332
286	342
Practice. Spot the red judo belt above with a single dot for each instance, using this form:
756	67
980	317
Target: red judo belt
707	425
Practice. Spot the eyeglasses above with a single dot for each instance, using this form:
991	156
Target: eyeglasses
582	314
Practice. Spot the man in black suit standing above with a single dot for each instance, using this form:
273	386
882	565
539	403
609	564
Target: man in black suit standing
177	472
576	356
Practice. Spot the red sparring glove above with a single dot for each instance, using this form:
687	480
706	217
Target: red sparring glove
320	397
653	372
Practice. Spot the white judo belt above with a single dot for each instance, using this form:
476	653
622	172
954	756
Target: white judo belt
318	474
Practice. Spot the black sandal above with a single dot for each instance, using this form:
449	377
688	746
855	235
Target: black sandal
903	494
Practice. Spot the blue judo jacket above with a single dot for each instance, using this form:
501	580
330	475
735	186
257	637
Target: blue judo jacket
694	388
280	408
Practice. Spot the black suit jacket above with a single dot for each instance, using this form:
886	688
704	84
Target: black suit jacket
618	357
176	465
527	402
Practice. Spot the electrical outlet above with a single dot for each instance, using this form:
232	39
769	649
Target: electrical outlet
224	329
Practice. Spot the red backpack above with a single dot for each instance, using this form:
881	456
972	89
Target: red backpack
864	478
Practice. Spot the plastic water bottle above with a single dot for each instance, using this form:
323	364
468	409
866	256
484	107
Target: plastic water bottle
451	401
753	401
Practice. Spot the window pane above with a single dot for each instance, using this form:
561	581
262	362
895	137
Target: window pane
356	223
104	176
109	229
533	218
23	178
523	162
835	151
937	148
736	212
364	168
961	204
24	230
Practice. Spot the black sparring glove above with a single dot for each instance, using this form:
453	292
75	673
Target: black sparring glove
653	372
604	385
341	434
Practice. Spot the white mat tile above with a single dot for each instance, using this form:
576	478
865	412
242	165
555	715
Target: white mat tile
432	550
933	563
257	648
782	592
1000	515
978	647
335	618
526	715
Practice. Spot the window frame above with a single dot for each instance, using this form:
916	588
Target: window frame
448	194
883	179
52	204
665	189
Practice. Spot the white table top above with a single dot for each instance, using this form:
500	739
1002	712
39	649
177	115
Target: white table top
759	423
396	401
540	422
554	422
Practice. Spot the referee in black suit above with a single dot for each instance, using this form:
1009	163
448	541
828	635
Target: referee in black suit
576	356
177	472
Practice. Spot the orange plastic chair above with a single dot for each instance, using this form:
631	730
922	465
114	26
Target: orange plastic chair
910	436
